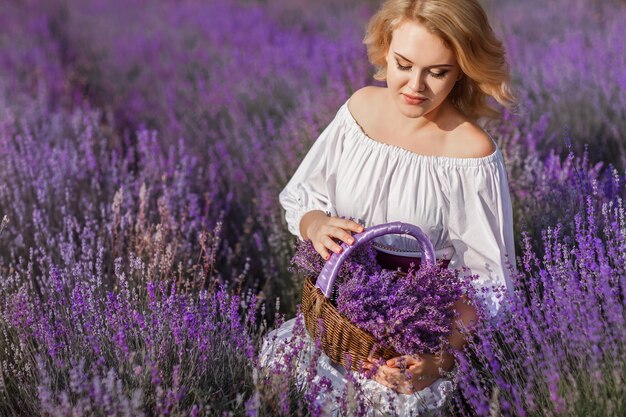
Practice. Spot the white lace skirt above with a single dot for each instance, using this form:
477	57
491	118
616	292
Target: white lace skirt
290	349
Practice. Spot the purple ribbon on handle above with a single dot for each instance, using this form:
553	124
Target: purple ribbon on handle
326	278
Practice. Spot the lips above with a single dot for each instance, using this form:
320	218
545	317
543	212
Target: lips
414	97
413	100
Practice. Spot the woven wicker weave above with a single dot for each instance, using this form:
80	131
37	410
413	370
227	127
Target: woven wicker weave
340	336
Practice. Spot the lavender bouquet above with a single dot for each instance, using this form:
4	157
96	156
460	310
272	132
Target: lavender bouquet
410	312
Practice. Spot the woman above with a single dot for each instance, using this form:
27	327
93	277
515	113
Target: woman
413	152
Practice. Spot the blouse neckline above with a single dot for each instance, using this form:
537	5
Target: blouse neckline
360	133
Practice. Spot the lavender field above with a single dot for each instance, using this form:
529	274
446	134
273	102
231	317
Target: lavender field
143	250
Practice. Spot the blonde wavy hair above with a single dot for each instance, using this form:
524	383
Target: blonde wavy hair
464	28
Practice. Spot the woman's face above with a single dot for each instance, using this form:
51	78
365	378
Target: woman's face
421	70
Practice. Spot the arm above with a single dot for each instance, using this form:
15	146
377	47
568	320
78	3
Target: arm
467	318
311	189
425	369
480	227
309	196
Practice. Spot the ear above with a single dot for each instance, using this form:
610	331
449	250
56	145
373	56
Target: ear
460	76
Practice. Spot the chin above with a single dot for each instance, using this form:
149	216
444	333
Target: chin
411	111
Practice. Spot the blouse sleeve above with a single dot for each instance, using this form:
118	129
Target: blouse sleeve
481	227
312	186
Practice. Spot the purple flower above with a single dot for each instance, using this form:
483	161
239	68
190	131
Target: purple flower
412	313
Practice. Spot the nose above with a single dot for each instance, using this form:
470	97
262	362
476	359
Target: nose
417	81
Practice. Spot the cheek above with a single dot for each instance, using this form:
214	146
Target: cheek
443	86
396	77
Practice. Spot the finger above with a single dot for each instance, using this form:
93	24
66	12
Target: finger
321	249
342	235
347	224
412	360
331	245
398	361
398	386
381	378
393	378
389	371
355	227
370	363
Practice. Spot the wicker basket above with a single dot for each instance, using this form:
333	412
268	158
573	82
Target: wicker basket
340	336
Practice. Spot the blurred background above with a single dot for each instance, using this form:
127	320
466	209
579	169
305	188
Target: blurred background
147	142
210	105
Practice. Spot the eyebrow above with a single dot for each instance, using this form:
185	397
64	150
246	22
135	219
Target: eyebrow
432	66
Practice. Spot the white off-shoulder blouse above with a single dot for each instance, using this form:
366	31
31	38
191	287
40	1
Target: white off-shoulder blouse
462	204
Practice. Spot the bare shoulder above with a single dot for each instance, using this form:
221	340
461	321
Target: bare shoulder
364	101
469	140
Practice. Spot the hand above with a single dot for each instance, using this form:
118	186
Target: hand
321	229
405	374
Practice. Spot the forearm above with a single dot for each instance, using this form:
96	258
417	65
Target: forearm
467	318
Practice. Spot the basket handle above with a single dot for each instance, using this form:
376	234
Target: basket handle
326	278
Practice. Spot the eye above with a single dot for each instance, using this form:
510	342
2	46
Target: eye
439	75
402	68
